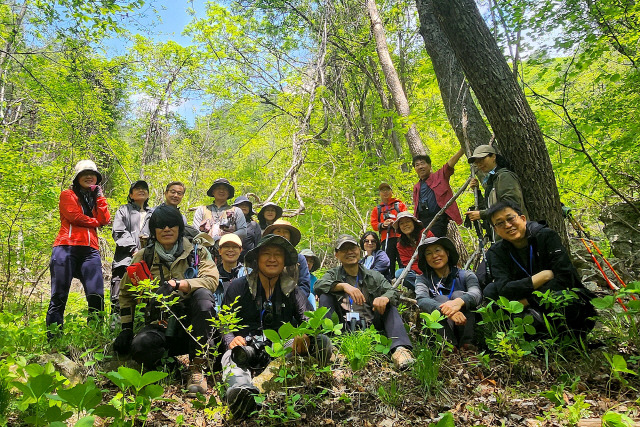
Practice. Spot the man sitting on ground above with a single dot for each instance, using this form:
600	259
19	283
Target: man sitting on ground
267	298
284	228
529	258
351	290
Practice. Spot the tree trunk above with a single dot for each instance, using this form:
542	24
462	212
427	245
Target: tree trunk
454	89
505	106
393	81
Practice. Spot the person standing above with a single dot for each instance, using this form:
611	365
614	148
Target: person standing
269	213
432	192
128	226
382	218
220	218
254	232
83	209
500	185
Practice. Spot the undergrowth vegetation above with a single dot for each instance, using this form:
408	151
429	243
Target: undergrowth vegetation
77	380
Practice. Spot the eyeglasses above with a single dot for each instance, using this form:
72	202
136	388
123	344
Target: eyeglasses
371	242
511	219
176	193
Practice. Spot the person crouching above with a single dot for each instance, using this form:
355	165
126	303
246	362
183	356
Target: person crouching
181	273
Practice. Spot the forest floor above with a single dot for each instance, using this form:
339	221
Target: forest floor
552	386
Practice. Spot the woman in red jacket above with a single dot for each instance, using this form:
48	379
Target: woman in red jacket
410	230
83	209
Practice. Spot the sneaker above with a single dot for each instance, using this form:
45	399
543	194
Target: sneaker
241	401
402	358
197	380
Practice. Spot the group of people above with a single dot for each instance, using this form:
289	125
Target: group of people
225	258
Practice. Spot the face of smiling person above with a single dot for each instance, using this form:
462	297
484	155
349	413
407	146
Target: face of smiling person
167	236
271	260
86	179
406	225
230	252
348	254
486	164
270	214
369	244
139	195
221	193
510	226
173	196
437	257
422	168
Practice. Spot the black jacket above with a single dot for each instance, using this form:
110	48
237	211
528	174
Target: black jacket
289	304
513	283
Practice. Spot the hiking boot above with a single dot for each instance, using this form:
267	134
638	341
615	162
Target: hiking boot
240	400
402	358
197	379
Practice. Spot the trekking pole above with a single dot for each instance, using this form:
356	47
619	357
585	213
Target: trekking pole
593	258
593	243
423	236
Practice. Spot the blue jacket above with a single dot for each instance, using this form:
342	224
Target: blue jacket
380	262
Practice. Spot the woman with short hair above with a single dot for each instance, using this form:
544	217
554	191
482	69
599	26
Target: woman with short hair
446	288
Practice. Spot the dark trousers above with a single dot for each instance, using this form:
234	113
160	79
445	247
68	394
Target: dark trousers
390	322
153	342
83	263
389	245
116	277
439	229
458	335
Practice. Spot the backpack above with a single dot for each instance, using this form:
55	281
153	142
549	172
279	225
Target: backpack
396	207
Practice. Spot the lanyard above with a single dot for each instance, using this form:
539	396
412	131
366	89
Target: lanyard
530	272
268	305
438	288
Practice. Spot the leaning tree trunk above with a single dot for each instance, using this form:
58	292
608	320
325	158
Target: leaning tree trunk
511	118
463	115
414	141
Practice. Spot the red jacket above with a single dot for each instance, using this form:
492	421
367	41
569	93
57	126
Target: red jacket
405	253
439	183
77	229
377	218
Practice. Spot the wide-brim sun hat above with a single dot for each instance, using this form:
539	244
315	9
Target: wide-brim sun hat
244	199
290	253
406	214
308	253
448	246
480	152
278	209
283	223
86	165
226	183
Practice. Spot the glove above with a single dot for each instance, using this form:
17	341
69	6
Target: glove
97	190
122	343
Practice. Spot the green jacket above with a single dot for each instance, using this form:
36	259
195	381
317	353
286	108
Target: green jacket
503	185
372	285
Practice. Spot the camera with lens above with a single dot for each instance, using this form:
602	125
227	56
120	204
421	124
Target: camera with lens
252	356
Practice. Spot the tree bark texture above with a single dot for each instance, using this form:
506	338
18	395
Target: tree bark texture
454	89
414	141
515	126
